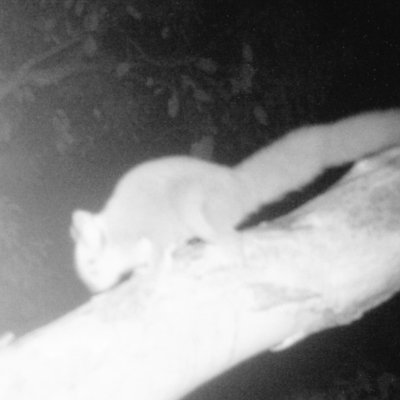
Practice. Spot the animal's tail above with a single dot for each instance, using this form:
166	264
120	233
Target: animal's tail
300	156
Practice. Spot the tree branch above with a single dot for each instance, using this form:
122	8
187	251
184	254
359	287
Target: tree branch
166	331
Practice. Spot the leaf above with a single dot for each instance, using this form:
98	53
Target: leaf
62	130
122	69
198	94
173	105
260	115
207	65
165	32
203	148
247	53
202	96
133	12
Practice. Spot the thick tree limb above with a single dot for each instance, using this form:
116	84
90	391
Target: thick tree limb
164	332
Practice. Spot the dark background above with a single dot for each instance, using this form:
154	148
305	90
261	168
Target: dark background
148	78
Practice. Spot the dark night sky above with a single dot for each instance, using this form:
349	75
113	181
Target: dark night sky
361	37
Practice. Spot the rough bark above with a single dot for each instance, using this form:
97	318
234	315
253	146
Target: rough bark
165	331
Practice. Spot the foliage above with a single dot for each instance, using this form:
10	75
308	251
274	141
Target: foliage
153	73
365	385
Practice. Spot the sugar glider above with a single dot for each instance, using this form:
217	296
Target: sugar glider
155	208
161	204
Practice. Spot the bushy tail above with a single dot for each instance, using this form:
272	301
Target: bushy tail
300	156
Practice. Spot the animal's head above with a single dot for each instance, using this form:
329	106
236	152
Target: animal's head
102	260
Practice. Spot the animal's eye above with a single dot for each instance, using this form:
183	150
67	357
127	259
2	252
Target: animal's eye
125	276
195	241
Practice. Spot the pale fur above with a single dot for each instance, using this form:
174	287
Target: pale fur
159	205
296	159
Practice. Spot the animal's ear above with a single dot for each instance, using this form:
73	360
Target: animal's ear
86	227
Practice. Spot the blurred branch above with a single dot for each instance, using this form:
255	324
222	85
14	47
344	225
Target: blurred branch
26	74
